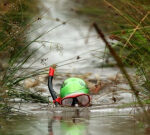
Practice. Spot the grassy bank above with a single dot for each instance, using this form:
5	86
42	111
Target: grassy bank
16	17
127	22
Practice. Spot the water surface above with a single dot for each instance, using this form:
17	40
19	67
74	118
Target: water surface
71	123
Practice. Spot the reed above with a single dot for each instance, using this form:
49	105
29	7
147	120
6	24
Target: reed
15	19
127	22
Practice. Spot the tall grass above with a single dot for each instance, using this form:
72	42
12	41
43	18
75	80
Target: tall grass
15	19
120	65
128	22
24	14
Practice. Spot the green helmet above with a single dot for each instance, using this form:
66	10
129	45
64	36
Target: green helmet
73	86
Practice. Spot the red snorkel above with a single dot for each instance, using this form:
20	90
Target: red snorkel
50	86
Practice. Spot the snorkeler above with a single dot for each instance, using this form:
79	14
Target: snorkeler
73	92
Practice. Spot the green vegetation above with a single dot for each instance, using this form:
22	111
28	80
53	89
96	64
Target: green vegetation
128	22
15	19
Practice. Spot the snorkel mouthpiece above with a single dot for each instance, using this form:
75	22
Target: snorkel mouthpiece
51	71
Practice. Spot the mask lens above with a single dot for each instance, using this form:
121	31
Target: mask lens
83	100
67	102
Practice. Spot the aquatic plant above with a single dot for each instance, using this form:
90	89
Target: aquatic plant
15	19
128	24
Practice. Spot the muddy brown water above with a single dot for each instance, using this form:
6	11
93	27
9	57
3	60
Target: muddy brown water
72	122
69	41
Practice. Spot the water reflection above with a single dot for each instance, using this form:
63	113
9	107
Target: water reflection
71	123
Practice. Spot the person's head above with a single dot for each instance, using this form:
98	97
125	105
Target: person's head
74	91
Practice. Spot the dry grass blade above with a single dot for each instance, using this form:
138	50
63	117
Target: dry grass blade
136	28
120	65
118	11
125	17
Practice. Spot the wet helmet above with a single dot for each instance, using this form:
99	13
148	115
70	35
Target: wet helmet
73	86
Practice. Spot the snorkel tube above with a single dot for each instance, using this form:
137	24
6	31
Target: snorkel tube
50	85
